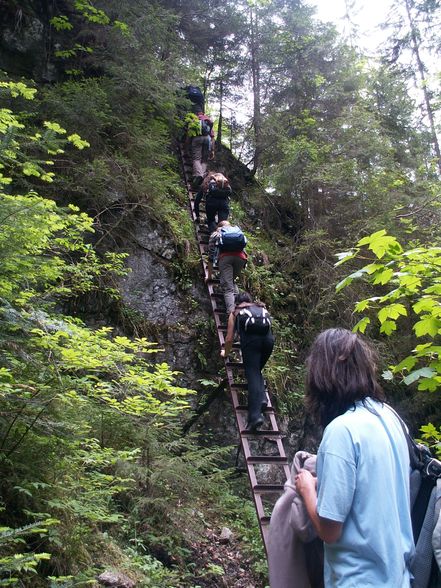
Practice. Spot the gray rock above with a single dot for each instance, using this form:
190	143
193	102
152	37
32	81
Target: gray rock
24	39
153	240
149	289
226	535
115	580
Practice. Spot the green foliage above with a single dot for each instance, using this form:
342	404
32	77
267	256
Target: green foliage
154	572
73	51
61	23
91	13
14	565
412	290
56	455
19	142
431	436
193	125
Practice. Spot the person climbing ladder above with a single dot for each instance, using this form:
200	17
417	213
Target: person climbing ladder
199	142
217	191
253	323
226	251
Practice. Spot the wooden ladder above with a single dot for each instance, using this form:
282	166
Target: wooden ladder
274	465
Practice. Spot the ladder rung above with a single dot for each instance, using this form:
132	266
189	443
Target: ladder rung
265	520
261	433
235	364
236	345
268	488
244	408
262	459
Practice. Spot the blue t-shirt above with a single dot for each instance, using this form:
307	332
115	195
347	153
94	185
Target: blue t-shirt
363	482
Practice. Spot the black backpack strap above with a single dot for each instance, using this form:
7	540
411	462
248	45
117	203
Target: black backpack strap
420	456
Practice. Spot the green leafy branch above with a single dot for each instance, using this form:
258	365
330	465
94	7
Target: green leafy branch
90	13
412	279
14	564
18	143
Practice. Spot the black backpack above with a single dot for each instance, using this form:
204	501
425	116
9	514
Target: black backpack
425	471
214	191
205	128
254	320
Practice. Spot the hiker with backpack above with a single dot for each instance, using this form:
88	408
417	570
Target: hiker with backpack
359	503
217	191
226	251
251	320
200	142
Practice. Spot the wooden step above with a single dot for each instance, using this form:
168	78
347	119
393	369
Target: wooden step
267	459
268	488
238	365
262	433
244	408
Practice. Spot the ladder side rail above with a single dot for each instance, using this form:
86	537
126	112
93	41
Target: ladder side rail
258	490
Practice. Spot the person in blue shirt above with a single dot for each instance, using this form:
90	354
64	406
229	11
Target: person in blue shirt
359	503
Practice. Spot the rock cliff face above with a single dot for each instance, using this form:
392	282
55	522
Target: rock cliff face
181	323
25	39
180	320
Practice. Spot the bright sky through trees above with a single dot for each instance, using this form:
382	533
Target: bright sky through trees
359	22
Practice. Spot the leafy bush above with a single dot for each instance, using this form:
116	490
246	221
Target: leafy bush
409	284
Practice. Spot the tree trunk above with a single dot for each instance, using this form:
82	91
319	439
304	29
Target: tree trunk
219	126
421	70
255	69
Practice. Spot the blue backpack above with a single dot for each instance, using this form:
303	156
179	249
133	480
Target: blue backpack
231	239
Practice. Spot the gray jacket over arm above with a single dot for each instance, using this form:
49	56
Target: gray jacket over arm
290	527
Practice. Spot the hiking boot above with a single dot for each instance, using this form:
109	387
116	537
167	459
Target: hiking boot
254	425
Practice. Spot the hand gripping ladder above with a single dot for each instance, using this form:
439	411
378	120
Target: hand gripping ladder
266	472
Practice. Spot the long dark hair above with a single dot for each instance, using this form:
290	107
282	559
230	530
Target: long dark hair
341	369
